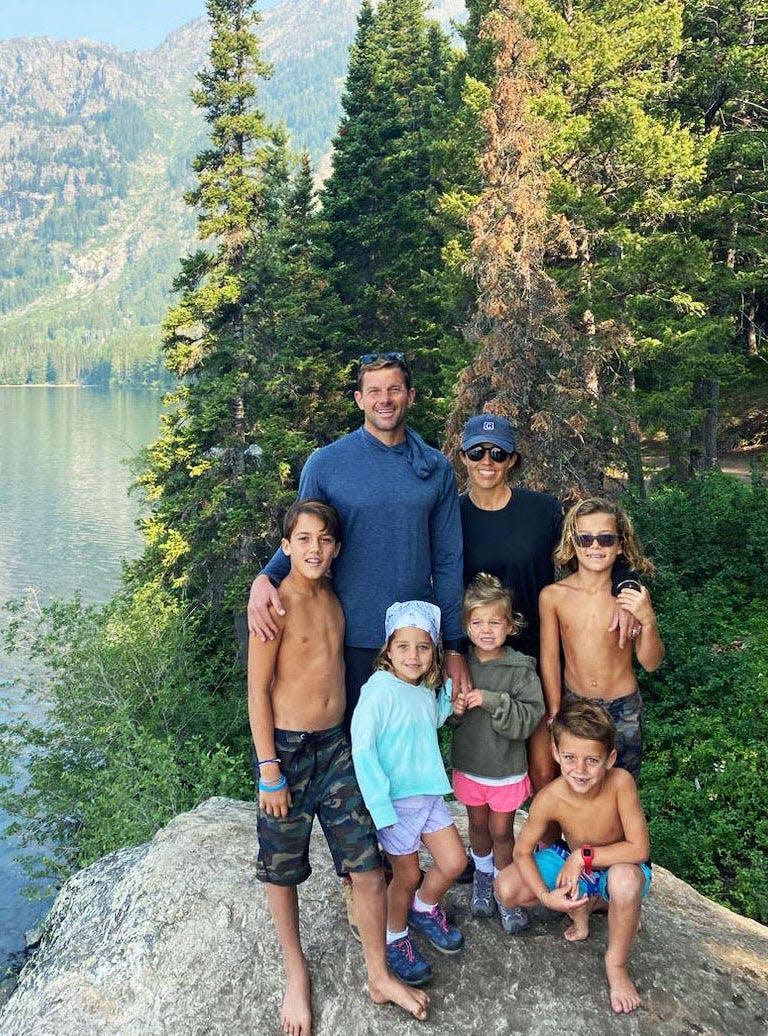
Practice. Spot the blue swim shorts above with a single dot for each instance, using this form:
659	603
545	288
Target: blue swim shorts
551	861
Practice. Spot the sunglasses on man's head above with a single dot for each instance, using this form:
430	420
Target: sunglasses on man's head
494	452
603	539
367	358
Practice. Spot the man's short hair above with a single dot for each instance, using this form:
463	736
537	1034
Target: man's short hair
320	509
585	719
370	362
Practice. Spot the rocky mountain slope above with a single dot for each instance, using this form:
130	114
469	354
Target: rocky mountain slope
95	154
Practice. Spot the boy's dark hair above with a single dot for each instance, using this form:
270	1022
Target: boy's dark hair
585	719
320	509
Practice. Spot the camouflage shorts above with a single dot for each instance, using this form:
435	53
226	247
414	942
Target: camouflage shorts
627	713
320	775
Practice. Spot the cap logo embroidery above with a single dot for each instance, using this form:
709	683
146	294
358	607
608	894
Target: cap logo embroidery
488	426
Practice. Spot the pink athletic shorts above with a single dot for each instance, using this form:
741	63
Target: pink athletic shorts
504	798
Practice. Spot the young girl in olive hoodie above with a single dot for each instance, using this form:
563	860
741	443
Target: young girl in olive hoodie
490	767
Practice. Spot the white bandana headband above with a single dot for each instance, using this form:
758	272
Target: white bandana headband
420	614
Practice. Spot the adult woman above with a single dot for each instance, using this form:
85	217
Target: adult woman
509	533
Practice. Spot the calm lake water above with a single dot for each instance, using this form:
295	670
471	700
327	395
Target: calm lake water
66	522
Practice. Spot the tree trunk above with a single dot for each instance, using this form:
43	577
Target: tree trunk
704	440
679	441
631	444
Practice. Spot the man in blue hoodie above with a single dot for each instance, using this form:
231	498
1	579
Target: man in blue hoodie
400	526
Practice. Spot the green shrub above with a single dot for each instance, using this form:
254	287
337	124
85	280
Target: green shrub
703	782
135	717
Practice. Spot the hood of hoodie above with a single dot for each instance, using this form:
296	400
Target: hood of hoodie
510	657
422	458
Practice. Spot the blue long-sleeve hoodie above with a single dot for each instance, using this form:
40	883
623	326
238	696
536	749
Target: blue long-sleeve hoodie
394	743
401	530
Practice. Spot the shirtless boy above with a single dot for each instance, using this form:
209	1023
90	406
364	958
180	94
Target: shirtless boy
605	848
296	709
578	612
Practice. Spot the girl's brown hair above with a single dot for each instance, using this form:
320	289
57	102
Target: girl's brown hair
565	552
486	589
433	678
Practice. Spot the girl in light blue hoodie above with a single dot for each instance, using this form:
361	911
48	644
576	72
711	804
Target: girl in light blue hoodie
403	781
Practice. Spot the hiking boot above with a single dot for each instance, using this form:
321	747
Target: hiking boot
443	936
405	961
513	919
349	902
482	903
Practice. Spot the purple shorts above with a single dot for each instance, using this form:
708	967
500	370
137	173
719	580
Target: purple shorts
418	815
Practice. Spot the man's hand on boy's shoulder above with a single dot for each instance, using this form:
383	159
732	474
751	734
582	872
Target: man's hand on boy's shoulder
264	604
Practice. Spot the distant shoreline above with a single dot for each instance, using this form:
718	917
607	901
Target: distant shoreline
80	384
48	384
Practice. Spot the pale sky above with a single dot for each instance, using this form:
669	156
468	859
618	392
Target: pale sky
128	24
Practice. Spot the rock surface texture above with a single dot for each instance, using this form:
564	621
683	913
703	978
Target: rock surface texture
174	939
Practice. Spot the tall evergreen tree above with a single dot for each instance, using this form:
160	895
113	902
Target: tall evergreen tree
297	329
720	90
378	202
532	363
197	533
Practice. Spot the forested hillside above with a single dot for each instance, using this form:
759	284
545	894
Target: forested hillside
96	149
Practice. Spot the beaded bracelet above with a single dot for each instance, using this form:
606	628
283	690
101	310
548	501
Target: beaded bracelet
263	762
277	786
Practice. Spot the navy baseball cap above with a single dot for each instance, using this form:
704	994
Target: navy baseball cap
488	428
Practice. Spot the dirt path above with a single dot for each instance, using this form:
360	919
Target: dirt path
736	462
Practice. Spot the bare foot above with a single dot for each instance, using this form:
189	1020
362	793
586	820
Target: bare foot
624	995
579	930
296	1009
391	991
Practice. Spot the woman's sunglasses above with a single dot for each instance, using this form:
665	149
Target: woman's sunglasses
603	539
496	453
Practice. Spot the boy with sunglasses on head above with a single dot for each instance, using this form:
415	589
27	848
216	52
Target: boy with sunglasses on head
577	613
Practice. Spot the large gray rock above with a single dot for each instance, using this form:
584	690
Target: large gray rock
174	939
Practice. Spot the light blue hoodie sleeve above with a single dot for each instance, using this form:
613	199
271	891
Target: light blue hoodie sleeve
373	781
444	703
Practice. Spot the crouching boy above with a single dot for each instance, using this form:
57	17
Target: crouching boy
296	708
604	855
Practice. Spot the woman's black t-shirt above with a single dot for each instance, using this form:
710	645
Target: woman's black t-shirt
515	544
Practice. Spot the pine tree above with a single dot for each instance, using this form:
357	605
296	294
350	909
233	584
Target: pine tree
378	202
720	91
532	364
197	533
297	329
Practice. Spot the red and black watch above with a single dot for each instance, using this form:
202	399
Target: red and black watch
587	855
